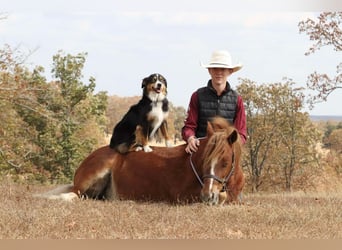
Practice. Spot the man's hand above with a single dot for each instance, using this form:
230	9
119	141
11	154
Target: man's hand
193	144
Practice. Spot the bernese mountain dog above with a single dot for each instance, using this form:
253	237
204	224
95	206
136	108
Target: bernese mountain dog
144	119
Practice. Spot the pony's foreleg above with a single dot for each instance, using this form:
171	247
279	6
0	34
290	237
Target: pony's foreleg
234	190
222	197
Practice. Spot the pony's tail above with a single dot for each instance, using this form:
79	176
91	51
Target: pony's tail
60	193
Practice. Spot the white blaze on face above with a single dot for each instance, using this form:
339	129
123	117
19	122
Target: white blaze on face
212	172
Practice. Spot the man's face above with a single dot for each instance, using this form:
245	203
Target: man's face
219	75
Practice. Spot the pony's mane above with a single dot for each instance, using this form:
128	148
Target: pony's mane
215	147
217	142
220	124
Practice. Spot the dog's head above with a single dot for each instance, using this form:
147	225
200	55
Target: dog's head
155	87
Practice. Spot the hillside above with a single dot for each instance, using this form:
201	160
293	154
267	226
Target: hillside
316	118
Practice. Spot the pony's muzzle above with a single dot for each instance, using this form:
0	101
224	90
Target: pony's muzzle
210	198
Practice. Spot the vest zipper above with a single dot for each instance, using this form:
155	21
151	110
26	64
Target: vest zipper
218	106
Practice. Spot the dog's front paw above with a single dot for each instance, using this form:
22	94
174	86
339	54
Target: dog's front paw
147	148
168	144
138	148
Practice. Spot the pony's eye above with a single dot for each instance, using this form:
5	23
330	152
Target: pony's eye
225	164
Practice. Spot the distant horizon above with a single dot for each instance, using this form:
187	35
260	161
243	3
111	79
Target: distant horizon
313	117
326	117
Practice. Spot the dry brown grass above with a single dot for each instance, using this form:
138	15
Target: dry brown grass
276	216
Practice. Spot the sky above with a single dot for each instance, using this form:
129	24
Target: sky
126	41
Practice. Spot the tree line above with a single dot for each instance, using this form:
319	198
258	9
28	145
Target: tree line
48	127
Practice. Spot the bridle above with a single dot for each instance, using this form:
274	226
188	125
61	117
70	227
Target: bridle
222	181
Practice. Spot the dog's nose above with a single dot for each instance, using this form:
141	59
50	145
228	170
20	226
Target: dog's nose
159	85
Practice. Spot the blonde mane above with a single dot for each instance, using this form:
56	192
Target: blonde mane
216	147
218	141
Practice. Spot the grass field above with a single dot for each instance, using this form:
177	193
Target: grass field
262	216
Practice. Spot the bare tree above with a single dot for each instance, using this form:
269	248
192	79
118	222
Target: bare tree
326	31
281	138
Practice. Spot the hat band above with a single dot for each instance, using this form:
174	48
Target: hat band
222	64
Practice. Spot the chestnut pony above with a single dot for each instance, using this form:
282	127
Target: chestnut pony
212	175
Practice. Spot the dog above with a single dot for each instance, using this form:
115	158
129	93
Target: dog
144	119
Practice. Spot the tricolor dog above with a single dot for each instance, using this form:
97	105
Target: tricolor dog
144	119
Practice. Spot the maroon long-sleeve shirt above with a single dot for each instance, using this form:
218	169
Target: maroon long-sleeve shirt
190	124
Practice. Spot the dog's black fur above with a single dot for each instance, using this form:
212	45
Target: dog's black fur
143	119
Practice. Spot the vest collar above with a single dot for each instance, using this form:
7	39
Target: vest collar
210	86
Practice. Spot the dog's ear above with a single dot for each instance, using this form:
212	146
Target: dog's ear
144	82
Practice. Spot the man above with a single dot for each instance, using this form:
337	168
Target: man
216	99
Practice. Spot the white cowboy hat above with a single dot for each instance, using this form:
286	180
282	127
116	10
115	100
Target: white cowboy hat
222	59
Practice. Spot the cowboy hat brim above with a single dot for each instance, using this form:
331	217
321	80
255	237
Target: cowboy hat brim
223	66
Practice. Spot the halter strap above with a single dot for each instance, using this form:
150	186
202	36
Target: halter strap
195	172
222	181
211	176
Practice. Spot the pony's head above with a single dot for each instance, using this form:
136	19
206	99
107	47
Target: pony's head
219	160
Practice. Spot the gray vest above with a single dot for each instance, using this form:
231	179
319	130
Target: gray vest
210	105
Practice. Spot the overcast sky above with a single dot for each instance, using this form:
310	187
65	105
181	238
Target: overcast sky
128	40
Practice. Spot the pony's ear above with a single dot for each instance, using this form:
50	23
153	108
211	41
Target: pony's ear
233	137
210	129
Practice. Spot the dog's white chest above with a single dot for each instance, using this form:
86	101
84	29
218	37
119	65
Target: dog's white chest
157	116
